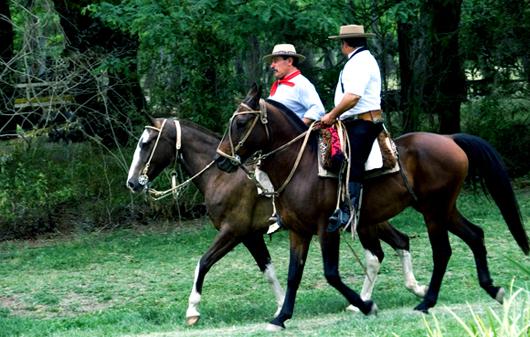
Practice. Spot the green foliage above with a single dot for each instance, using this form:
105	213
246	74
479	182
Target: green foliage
505	123
513	321
56	187
199	55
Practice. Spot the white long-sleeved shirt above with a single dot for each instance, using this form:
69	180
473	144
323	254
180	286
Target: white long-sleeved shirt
302	98
360	76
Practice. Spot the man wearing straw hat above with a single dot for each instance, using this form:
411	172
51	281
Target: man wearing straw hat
358	106
291	88
294	91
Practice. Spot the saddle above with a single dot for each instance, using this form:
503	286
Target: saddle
383	158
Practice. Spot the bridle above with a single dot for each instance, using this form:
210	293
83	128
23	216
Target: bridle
260	114
143	179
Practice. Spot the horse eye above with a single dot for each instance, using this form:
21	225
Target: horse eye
143	145
241	122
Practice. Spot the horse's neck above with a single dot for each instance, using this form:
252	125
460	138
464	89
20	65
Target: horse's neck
279	166
198	150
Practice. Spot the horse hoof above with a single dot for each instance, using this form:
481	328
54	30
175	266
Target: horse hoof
192	320
274	328
352	308
500	296
422	308
373	310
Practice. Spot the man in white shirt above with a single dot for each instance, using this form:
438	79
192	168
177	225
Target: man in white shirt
358	106
292	89
295	92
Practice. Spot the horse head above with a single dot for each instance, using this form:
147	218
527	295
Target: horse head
247	131
154	152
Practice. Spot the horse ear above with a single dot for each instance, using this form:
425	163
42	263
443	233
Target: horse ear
254	95
150	118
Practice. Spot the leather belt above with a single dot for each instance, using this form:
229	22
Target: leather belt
372	115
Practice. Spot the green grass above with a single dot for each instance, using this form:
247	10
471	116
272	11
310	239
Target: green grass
137	282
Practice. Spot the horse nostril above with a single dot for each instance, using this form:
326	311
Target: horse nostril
130	184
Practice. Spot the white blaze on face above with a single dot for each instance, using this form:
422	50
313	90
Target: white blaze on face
136	158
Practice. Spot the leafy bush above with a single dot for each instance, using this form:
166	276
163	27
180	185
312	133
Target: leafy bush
505	124
57	187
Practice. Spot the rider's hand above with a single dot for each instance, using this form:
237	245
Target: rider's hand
328	120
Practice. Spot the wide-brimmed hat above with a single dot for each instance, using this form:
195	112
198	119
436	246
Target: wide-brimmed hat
283	50
350	31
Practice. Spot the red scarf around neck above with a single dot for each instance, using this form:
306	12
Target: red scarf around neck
285	81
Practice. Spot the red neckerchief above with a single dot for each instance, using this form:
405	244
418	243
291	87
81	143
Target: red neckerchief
285	81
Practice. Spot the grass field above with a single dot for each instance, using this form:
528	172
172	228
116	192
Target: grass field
136	282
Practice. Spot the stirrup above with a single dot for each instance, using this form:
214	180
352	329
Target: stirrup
275	223
273	228
338	219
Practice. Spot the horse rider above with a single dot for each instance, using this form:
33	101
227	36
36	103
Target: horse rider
293	90
358	106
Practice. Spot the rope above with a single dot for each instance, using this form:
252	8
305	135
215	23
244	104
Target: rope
157	195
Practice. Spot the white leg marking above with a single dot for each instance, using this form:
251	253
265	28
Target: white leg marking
500	296
410	281
270	275
192	314
372	269
136	157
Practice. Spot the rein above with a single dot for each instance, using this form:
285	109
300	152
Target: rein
143	179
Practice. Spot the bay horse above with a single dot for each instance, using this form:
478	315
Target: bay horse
435	167
234	206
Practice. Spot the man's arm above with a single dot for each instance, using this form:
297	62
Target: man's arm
348	101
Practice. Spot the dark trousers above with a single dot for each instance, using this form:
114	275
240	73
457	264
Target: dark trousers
362	135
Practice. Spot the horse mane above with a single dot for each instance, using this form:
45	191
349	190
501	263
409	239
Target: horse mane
296	122
200	128
293	118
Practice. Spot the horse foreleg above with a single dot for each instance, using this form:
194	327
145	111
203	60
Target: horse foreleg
224	242
399	241
473	236
256	246
299	246
329	243
441	252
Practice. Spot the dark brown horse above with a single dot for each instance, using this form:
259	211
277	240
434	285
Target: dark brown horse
234	206
435	166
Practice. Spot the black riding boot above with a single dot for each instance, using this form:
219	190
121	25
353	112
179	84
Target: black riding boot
342	215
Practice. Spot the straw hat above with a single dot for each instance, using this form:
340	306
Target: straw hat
350	31
283	50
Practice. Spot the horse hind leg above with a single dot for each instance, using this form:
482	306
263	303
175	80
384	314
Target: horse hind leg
473	236
441	253
256	246
399	241
224	242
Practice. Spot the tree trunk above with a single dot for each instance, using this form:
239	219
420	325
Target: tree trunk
7	125
6	32
445	89
86	34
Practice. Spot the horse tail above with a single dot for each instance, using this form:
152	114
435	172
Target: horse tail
487	167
